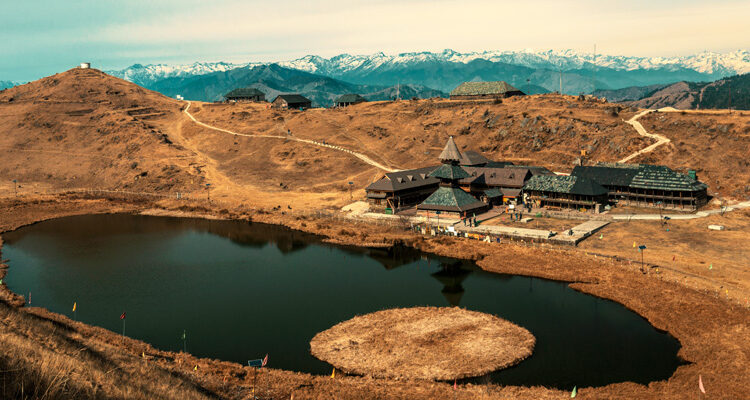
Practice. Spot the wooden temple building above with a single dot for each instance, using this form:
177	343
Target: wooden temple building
561	191
449	199
493	182
643	185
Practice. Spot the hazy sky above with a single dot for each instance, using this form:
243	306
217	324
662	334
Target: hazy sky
42	37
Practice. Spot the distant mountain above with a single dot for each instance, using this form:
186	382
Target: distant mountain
630	93
274	79
530	71
687	95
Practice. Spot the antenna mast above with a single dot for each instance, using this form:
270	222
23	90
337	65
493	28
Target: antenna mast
594	82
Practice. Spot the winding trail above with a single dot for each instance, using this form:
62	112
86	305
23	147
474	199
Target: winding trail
361	156
660	140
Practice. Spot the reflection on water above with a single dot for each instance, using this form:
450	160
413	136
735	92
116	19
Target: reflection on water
241	290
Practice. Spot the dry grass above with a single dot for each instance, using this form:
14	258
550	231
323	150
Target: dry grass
42	358
439	343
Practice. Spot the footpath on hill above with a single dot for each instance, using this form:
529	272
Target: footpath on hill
361	156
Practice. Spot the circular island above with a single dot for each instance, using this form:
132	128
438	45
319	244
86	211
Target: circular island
438	343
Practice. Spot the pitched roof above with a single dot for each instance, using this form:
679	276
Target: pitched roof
450	199
244	92
534	169
350	98
492	193
450	152
490	176
641	176
664	178
471	157
608	175
293	98
450	172
483	88
565	184
407	179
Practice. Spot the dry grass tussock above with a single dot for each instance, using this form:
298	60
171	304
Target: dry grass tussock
47	359
423	343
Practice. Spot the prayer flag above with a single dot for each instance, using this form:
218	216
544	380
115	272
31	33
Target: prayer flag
123	315
265	361
700	384
601	236
454	384
574	392
196	368
74	306
633	244
673	257
143	354
333	374
711	266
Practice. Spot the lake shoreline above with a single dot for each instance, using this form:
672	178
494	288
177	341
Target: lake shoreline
713	332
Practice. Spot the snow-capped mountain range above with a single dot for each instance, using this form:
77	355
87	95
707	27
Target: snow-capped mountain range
737	62
530	71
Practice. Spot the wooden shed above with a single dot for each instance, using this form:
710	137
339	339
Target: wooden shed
348	99
292	101
484	90
245	95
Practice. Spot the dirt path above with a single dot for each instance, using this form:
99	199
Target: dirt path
660	140
361	156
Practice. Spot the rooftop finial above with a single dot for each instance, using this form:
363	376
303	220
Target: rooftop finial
450	153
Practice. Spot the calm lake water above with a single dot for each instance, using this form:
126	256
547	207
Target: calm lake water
242	290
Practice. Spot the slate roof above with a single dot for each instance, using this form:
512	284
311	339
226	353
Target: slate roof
640	176
350	98
449	172
534	169
621	175
451	199
498	164
471	157
664	178
244	92
492	193
450	152
489	176
293	98
565	184
402	180
483	88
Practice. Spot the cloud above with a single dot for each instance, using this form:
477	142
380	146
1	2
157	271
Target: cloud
118	33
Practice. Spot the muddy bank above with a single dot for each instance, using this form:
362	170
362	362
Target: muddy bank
714	333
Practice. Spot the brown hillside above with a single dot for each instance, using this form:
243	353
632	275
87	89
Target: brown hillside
83	128
548	130
715	145
678	95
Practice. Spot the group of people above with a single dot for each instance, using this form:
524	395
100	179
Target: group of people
469	221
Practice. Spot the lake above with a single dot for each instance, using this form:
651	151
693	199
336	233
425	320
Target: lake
240	290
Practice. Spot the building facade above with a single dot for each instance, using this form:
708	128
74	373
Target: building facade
245	95
292	102
449	199
484	90
348	100
565	192
643	185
